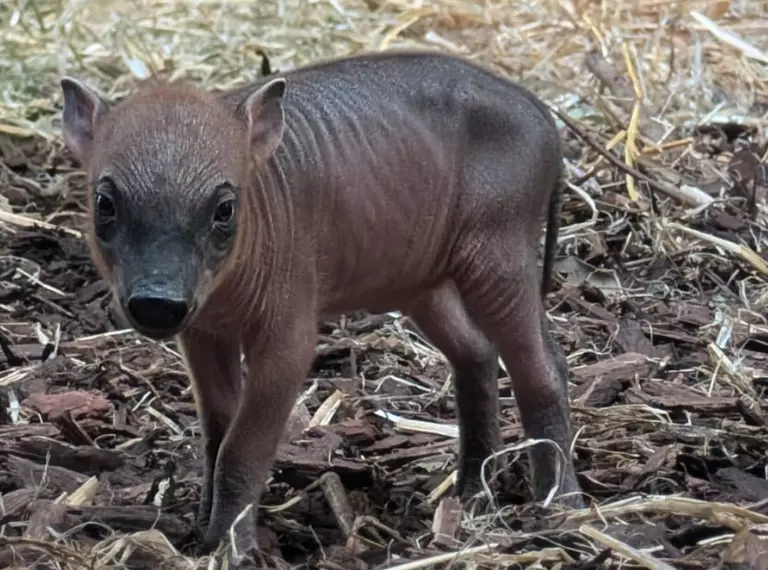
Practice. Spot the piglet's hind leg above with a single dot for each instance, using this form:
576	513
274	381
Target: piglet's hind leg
442	318
501	293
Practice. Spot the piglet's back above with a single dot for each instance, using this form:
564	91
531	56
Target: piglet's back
381	140
374	102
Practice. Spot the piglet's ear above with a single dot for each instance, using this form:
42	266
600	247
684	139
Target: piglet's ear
83	108
264	112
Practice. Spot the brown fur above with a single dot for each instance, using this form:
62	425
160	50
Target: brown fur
404	181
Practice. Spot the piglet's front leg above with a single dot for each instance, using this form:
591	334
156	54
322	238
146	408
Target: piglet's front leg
213	363
278	361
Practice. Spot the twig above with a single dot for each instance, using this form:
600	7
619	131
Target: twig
630	148
447	557
336	496
625	550
746	253
687	196
730	38
25	222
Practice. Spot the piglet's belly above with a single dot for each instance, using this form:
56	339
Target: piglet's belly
374	301
380	284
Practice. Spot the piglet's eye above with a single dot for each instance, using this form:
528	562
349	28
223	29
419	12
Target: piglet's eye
225	211
105	207
104	217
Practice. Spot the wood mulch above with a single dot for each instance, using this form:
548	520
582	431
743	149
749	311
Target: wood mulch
99	439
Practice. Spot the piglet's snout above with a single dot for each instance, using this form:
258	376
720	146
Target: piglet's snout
156	307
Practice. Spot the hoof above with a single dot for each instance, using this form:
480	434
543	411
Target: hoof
240	538
468	490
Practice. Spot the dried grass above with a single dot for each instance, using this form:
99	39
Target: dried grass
670	67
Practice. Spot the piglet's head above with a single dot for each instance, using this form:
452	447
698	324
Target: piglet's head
168	169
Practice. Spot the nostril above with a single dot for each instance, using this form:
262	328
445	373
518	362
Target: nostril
157	313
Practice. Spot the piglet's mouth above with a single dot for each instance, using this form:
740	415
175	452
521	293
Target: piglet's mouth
158	334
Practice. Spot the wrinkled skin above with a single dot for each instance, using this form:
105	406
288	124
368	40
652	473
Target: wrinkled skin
416	182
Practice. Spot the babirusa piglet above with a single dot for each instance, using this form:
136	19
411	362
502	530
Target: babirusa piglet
235	220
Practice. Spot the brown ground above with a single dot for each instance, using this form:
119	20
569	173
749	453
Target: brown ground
658	413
